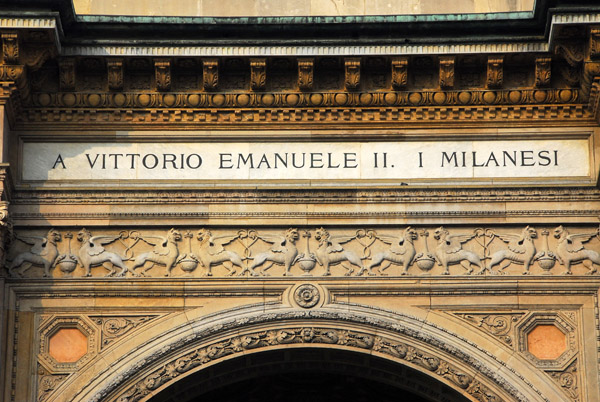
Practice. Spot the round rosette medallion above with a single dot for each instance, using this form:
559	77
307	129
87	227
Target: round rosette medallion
307	296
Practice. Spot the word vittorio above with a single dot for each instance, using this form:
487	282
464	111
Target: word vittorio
311	160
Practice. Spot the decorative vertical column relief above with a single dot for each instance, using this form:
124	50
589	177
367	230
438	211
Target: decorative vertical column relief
305	73
162	72
210	74
10	47
67	74
495	72
115	74
258	74
543	71
399	72
352	73
447	72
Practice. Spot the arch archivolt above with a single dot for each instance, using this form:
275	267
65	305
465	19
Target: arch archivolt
189	345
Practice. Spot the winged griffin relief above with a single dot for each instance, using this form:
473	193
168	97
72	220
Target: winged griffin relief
92	253
401	251
449	251
570	249
330	252
212	252
358	251
521	250
283	252
165	252
42	253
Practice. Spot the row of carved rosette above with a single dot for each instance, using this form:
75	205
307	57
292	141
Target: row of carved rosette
307	252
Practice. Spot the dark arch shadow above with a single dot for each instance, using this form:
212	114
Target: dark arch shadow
308	374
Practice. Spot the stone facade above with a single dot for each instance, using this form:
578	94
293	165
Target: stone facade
190	203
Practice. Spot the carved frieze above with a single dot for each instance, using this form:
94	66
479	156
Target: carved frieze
162	75
210	74
306	73
352	73
406	251
115	72
258	74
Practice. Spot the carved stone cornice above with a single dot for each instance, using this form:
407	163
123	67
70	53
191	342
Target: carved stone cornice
66	197
394	108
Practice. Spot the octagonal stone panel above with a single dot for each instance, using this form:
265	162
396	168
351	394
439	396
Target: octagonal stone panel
68	345
546	342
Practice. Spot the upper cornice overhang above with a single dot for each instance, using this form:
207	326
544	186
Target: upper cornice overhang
298	36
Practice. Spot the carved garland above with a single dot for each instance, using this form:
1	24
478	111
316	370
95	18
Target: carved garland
308	336
409	354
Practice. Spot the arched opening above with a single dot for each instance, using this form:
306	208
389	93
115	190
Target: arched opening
308	374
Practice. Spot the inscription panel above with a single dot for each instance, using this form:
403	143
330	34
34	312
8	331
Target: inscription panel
262	162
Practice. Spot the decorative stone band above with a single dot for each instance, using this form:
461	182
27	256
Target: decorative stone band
309	336
316	252
418	347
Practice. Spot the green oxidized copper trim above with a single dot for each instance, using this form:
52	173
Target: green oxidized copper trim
363	19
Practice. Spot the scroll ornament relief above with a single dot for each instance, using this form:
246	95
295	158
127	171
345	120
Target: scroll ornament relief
317	252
